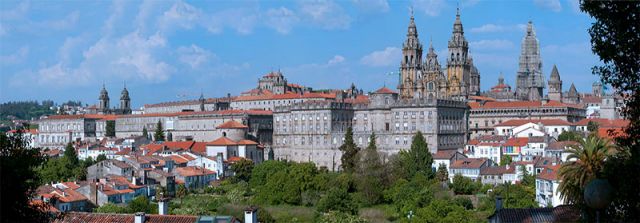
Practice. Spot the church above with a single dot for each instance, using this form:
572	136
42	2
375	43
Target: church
427	79
103	104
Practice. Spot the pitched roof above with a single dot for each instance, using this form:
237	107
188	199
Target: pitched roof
469	163
444	154
193	171
549	173
517	141
473	142
518	104
562	213
385	90
232	124
519	122
86	217
247	142
222	141
497	170
560	145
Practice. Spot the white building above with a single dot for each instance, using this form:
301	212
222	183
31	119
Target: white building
446	157
547	183
530	127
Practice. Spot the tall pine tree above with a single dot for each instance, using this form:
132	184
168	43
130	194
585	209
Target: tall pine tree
370	180
145	133
417	160
159	134
349	152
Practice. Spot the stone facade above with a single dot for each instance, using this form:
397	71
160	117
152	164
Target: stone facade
530	80
427	80
57	130
313	131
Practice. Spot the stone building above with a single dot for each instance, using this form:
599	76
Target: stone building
202	104
56	131
427	80
530	80
274	82
198	126
313	131
486	114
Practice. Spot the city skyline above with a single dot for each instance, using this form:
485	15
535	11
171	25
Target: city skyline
185	48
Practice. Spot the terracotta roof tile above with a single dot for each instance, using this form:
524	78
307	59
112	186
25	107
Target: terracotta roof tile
385	90
247	142
222	141
193	171
444	154
547	122
86	217
549	173
232	124
517	141
468	163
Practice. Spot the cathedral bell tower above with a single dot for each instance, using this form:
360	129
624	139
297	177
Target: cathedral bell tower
411	62
458	66
125	101
103	106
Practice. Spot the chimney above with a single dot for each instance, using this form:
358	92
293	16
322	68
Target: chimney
251	215
163	206
498	203
139	217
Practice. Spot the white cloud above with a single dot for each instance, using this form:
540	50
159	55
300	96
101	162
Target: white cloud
387	57
492	44
372	5
327	14
280	19
553	5
19	56
430	7
181	15
194	56
16	13
68	22
336	60
117	10
494	28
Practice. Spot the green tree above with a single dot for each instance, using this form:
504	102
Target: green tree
370	173
592	127
444	211
141	204
18	163
111	208
71	156
615	39
337	199
262	171
349	152
145	133
161	192
101	158
585	163
442	173
110	128
340	217
169	136
570	136
528	179
463	185
181	192
159	133
505	160
242	169
405	196
264	216
417	160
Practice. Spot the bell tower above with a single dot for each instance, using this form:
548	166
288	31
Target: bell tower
411	62
458	65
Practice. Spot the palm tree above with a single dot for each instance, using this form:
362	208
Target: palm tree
584	163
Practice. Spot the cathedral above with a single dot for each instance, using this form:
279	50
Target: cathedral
427	79
103	103
530	80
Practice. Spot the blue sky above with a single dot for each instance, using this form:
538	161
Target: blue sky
173	50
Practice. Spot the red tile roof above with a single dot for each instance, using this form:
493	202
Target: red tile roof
385	90
234	159
611	133
560	145
547	122
193	171
469	163
232	124
444	154
199	147
549	173
86	217
247	142
288	95
24	131
222	141
518	104
518	141
497	170
473	142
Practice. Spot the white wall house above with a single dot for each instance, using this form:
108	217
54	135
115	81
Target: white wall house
547	183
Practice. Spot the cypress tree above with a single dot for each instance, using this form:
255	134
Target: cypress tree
159	134
349	152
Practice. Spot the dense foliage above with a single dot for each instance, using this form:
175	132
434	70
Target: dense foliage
158	135
67	167
25	110
569	136
110	128
138	204
349	152
615	38
19	180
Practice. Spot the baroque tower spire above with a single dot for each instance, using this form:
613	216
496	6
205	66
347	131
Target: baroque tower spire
529	75
458	66
555	85
103	106
411	61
